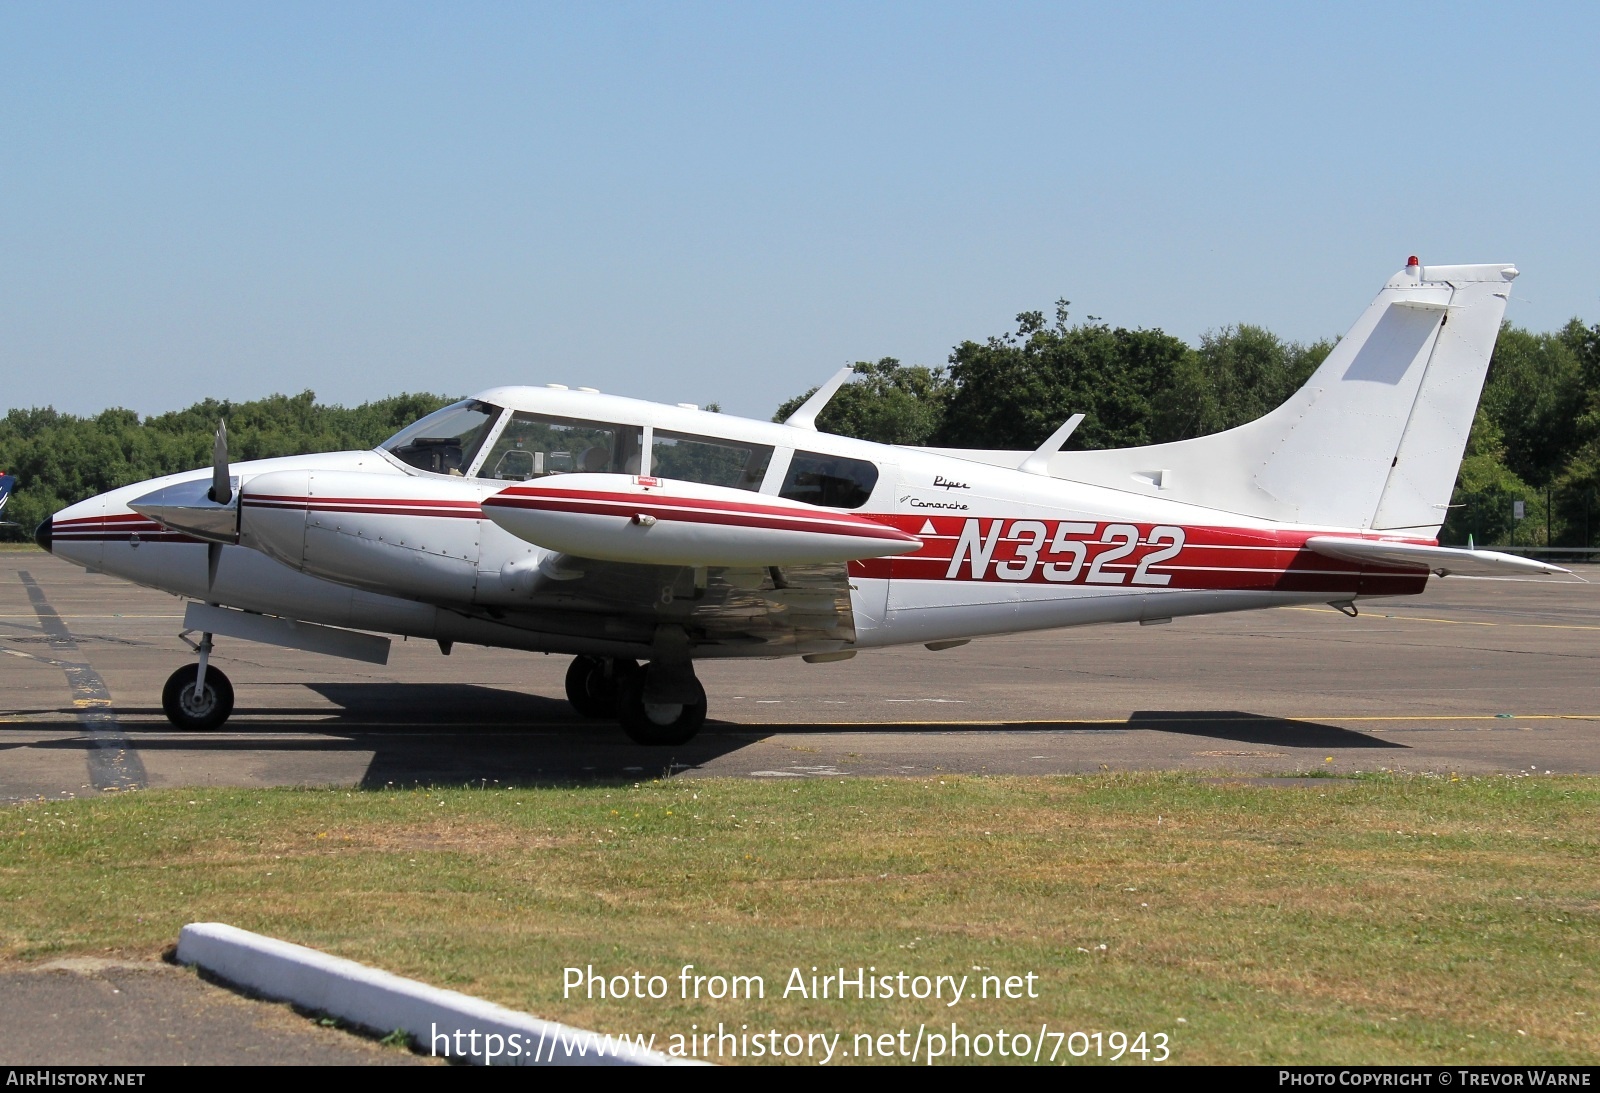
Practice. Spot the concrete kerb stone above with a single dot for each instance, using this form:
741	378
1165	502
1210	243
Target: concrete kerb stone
382	1002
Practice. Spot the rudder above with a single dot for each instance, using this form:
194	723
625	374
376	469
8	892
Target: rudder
1422	477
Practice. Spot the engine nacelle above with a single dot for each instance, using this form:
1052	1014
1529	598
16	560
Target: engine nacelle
401	535
659	521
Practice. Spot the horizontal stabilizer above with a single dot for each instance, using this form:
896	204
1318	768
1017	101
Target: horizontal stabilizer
1444	561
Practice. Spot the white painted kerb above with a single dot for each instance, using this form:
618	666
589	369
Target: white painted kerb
383	1002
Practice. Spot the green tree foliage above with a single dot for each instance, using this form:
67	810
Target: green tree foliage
1536	440
1536	437
890	404
1534	394
1014	390
1237	375
1486	492
60	458
1576	492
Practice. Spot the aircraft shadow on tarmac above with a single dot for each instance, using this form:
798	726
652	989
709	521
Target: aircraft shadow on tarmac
438	734
1249	728
417	706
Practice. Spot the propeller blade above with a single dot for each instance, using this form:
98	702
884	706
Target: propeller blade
221	488
213	557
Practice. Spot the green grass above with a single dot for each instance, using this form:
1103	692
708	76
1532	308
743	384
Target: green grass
1379	920
20	548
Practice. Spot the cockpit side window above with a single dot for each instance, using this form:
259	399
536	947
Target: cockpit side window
831	481
712	460
536	445
445	441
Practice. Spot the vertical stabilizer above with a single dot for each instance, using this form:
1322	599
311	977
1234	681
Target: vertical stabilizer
1374	438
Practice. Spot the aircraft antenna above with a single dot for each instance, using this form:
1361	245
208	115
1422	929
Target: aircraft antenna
806	416
1039	461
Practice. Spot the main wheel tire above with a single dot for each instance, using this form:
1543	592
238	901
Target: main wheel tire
197	713
660	724
594	685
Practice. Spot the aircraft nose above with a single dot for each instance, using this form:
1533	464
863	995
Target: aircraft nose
45	533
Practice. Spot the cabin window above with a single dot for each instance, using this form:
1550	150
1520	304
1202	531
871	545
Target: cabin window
829	480
536	445
711	460
445	441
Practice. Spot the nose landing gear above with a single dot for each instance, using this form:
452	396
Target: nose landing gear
660	705
198	697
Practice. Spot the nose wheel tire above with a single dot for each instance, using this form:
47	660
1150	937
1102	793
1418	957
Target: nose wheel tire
192	712
659	724
594	685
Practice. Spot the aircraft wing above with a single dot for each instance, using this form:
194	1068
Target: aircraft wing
789	609
727	566
1444	561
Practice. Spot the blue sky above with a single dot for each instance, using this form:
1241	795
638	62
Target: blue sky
696	202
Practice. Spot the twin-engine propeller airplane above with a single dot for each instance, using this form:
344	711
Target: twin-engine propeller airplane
621	532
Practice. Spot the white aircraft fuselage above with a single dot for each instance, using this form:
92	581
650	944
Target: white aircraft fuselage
617	530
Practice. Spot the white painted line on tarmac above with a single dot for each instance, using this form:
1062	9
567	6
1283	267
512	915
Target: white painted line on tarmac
383	1002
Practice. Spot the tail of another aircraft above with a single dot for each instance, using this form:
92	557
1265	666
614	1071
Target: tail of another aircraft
8	482
1375	437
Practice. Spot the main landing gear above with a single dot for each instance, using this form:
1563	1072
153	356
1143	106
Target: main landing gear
197	696
658	704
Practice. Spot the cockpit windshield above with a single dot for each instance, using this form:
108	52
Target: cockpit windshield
445	441
535	445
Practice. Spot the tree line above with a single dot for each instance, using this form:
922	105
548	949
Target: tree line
1534	446
1535	440
62	458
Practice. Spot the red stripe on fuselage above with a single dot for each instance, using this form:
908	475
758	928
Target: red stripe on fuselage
120	528
97	521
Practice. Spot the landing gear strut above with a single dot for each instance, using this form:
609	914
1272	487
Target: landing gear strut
661	705
198	697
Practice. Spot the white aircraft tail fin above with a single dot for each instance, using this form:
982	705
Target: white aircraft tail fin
1373	440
